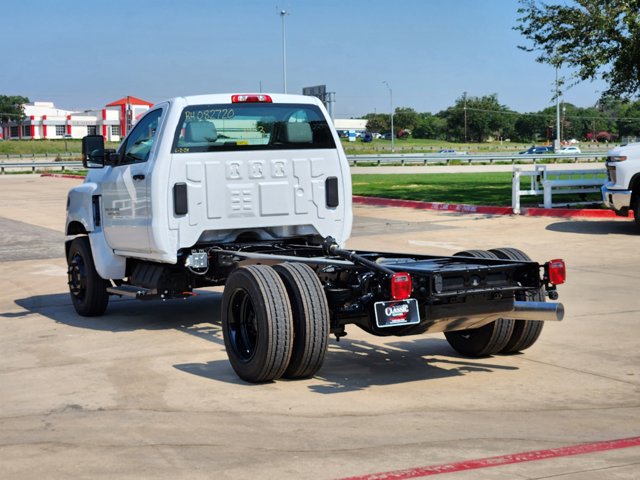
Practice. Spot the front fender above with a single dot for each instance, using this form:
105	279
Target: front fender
80	209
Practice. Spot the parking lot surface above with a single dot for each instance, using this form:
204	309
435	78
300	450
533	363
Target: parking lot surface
146	391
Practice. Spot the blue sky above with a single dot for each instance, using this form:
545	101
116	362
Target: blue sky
85	54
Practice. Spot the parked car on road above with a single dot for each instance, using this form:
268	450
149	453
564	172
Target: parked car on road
621	193
537	150
565	150
367	137
452	151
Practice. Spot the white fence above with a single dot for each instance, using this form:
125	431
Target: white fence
547	182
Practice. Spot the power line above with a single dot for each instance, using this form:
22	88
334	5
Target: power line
508	112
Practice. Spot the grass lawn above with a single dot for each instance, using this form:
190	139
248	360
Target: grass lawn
410	145
54	147
417	145
467	188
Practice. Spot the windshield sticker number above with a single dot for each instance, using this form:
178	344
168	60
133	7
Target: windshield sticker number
210	114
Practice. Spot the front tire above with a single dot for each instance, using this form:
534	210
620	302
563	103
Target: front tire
88	289
257	323
486	340
310	319
635	207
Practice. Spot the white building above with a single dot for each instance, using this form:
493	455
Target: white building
44	121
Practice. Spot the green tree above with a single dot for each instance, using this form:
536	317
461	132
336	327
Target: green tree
485	118
377	122
405	118
597	38
628	121
430	126
11	107
532	127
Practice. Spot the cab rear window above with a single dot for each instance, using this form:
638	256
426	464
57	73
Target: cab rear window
257	126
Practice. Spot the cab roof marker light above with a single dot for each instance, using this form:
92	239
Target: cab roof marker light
251	98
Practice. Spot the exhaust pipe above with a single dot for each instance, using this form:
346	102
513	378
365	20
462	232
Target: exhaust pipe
547	312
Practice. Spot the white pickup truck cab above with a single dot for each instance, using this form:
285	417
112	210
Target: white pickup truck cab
214	168
253	192
622	191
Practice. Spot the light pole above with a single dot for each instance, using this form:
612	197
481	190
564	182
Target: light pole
563	134
557	142
284	13
391	108
465	117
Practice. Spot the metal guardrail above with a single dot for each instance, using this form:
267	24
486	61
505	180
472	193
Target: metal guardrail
555	182
425	159
354	160
40	155
34	166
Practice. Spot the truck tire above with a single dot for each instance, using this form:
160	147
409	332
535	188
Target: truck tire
310	319
525	332
88	289
635	206
486	340
256	323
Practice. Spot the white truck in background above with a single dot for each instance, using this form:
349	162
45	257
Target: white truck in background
621	193
253	192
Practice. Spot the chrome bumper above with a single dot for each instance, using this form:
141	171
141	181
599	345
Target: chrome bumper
616	199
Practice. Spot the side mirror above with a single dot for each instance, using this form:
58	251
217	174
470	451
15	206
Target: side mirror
111	157
93	151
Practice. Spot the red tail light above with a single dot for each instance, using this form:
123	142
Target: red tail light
251	98
557	272
401	286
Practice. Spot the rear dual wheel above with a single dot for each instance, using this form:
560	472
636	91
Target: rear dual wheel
525	332
502	336
275	322
310	319
486	340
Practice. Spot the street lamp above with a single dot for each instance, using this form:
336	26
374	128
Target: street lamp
557	142
391	108
284	13
563	134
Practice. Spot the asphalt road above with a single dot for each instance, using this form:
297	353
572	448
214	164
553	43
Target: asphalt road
146	391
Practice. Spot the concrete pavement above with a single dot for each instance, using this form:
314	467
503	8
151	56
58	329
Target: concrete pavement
146	391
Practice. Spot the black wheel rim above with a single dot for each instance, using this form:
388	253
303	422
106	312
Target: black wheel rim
78	277
243	326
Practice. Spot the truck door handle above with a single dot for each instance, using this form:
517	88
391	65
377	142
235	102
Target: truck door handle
138	176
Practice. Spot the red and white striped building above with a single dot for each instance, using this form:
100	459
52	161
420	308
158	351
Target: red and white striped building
44	121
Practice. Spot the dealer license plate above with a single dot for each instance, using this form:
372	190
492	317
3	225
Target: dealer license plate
397	313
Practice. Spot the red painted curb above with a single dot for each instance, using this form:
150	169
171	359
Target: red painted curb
509	459
484	209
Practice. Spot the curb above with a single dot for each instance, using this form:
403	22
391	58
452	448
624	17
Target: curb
484	209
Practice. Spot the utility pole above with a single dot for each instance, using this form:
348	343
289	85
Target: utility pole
284	13
391	108
465	117
556	145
